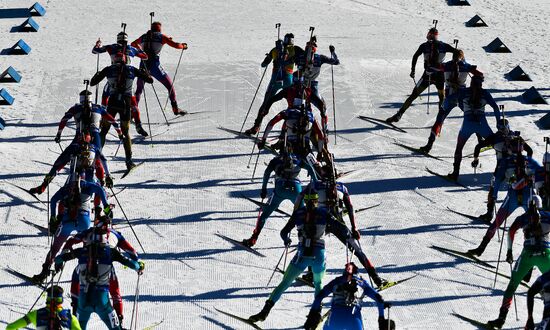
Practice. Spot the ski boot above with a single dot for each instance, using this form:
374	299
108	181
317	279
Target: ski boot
453	176
141	131
41	277
499	322
308	276
252	131
426	149
130	165
177	111
395	118
250	242
40	189
262	315
478	251
487	216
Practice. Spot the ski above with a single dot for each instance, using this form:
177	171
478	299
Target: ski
417	151
377	121
473	322
260	204
468	216
343	174
23	277
242	319
464	255
394	283
367	208
109	194
522	283
298	279
240	245
154	325
141	138
43	230
482	150
27	191
445	177
131	170
232	131
322	321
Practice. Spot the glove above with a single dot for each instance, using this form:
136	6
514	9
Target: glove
183	45
412	74
383	324
331	48
101	182
286	240
108	210
57	138
58	267
313	319
355	234
261	144
121	136
141	267
509	257
263	194
475	162
109	181
387	305
98	43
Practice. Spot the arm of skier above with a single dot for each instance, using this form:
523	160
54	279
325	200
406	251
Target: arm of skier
98	77
29	318
137	52
133	264
168	40
415	59
103	161
512	231
268	58
97	190
528	149
325	292
491	102
109	118
280	116
320	137
349	208
140	73
137	43
371	293
125	246
333	60
285	232
68	115
53	201
489	141
315	99
267	173
75	324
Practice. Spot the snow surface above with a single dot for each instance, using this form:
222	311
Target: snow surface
189	187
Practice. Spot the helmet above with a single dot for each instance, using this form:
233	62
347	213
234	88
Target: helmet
85	96
504	127
289	39
458	55
311	197
100	232
477	80
432	34
156	27
351	269
122	38
55	295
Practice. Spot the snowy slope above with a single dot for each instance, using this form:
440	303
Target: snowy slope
189	187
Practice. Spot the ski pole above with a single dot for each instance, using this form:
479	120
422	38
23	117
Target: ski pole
284	262
389	319
419	96
499	254
333	101
276	266
128	221
253	98
117	148
256	164
174	79
514	297
147	113
160	105
97	86
253	148
60	147
134	308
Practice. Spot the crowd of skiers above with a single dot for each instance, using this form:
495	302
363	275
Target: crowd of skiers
527	181
80	212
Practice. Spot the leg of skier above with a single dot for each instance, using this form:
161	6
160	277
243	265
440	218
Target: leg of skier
114	290
75	289
422	84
